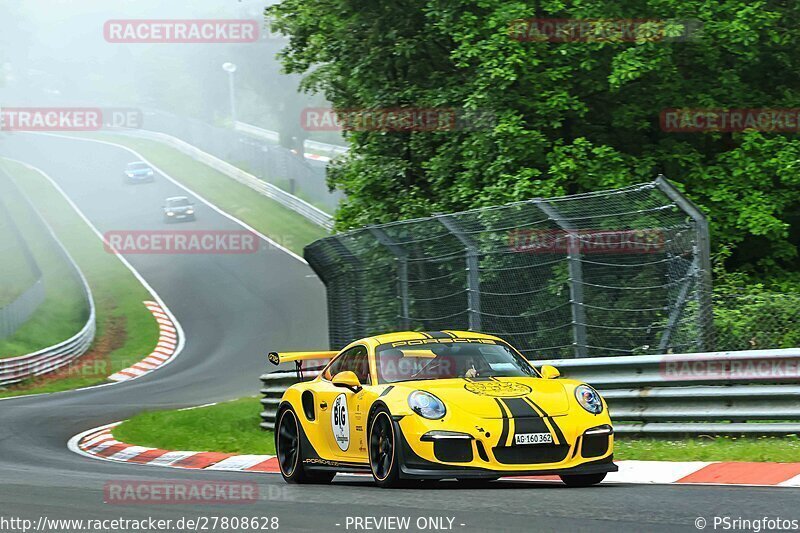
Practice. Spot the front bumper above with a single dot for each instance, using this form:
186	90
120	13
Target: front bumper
574	453
412	466
179	218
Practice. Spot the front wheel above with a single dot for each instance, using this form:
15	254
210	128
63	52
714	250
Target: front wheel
585	480
383	443
289	449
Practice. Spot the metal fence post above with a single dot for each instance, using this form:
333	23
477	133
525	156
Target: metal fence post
705	314
575	277
401	257
680	304
472	254
353	308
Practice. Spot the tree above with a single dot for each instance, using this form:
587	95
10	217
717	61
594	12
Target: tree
570	116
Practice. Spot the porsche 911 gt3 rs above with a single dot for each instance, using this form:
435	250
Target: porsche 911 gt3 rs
436	405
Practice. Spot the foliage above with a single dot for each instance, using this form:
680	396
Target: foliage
569	116
750	316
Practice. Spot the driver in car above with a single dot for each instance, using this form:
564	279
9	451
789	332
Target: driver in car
475	367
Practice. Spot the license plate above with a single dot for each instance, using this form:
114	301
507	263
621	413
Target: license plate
533	438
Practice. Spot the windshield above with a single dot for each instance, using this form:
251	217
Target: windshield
178	202
471	358
138	166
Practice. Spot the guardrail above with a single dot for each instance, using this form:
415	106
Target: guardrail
311	212
332	150
16	369
741	392
746	392
273	386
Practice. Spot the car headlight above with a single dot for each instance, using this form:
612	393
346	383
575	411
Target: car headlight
149	172
190	211
170	213
589	399
426	405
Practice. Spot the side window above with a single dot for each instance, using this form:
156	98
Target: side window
360	365
336	366
355	359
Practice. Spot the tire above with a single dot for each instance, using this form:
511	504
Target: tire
383	449
289	451
586	480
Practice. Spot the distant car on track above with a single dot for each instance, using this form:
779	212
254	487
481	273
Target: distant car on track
138	172
178	209
445	404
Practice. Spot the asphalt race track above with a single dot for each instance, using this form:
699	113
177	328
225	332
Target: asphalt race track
232	309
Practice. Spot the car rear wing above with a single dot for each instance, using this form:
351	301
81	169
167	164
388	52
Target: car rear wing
277	358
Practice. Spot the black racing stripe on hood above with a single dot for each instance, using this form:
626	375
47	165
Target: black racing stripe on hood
504	416
526	419
437	335
550	419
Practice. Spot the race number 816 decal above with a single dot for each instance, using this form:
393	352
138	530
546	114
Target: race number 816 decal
340	423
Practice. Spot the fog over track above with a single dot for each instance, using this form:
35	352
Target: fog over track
232	309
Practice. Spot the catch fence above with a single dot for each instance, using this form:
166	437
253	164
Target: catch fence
617	272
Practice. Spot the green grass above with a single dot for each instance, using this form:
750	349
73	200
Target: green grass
126	331
230	427
64	310
282	225
757	449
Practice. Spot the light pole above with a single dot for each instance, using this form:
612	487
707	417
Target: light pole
230	68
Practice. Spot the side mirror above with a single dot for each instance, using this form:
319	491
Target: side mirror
549	372
348	380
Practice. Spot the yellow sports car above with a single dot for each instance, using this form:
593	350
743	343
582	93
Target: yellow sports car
436	405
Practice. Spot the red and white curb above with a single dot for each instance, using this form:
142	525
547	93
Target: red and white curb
164	351
101	444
